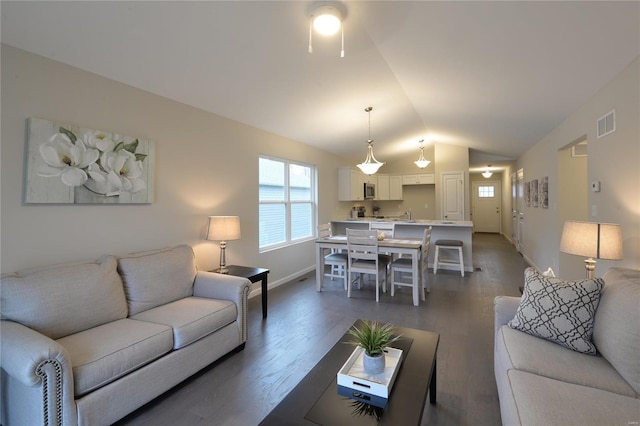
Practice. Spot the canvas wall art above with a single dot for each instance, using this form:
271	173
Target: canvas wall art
69	164
534	192
527	193
544	192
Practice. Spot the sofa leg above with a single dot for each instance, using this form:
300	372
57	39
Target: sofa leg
240	348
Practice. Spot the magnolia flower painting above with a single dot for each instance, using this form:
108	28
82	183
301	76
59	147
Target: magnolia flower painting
69	164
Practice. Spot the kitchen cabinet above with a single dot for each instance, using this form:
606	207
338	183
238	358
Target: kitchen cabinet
419	179
382	189
389	187
350	185
395	187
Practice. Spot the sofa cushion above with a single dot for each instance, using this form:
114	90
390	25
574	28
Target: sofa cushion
534	355
191	318
543	401
559	311
64	299
153	278
616	331
102	354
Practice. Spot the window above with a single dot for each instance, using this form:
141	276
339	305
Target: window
486	192
287	202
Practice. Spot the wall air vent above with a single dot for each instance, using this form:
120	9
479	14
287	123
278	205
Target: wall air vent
607	124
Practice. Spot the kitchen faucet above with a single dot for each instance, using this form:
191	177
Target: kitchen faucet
408	213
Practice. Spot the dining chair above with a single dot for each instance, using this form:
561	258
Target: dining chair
336	260
362	249
389	230
404	265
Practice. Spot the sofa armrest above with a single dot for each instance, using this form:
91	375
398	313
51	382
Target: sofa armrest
225	287
504	308
40	388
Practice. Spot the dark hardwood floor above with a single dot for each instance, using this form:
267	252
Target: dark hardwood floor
303	325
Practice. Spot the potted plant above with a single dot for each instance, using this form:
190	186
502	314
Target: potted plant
373	338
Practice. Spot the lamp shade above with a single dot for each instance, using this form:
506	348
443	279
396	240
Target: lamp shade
590	239
223	228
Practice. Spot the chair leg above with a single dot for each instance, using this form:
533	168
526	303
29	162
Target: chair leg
461	261
349	282
435	260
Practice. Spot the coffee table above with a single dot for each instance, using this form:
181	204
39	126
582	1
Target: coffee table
315	400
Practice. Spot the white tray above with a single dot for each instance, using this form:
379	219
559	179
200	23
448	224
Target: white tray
352	374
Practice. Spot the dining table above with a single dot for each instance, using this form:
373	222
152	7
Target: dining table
394	246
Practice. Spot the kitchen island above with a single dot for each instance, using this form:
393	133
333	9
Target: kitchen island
440	230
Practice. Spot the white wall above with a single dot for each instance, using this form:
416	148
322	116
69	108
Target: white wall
205	165
613	160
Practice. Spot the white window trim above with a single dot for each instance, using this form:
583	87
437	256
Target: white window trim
287	202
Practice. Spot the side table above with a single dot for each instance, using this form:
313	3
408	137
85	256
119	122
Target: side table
254	275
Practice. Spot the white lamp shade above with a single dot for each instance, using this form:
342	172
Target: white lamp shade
589	239
223	228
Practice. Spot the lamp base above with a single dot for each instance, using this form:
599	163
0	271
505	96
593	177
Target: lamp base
590	266
223	261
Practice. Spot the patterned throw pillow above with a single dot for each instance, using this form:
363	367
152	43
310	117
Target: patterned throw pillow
559	311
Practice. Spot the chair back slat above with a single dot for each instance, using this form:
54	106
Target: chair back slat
388	228
362	244
324	230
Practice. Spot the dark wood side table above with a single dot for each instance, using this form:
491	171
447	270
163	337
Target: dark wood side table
254	275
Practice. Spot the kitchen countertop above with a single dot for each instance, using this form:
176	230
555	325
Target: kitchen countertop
432	222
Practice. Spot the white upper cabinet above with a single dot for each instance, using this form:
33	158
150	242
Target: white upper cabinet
395	187
350	185
419	179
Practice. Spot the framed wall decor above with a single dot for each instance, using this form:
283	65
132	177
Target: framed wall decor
527	193
68	164
534	192
544	192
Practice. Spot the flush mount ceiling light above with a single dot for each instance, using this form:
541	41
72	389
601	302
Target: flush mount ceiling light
326	19
487	173
370	165
422	162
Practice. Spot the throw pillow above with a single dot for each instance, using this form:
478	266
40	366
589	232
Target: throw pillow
559	311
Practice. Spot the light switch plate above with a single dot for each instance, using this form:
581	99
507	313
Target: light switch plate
595	186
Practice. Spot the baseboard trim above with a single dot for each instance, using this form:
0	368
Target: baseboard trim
273	284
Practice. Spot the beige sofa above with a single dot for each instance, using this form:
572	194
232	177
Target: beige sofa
88	343
543	383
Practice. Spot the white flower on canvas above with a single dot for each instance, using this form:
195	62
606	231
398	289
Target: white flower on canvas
66	159
100	161
123	170
100	140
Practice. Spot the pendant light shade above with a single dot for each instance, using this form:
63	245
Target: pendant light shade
487	173
422	162
370	165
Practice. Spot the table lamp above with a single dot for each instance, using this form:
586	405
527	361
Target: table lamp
593	240
223	229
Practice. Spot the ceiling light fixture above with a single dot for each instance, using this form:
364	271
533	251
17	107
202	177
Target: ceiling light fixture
370	165
327	20
422	162
487	173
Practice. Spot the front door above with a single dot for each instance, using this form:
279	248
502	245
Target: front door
487	196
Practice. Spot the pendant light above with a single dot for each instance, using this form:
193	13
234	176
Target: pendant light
370	165
422	162
487	174
326	20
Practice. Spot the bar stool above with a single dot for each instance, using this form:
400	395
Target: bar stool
450	245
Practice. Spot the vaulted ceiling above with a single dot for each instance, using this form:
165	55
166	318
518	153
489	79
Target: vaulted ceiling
493	76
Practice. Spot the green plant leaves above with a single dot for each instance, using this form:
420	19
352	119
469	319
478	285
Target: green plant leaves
373	337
